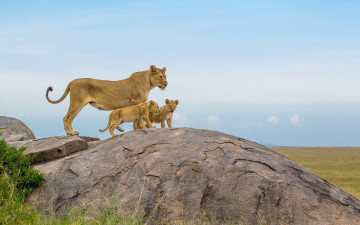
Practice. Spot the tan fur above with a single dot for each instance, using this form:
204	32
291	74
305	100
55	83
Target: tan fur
165	114
130	114
109	95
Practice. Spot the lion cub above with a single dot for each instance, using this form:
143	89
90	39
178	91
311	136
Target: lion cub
166	113
131	114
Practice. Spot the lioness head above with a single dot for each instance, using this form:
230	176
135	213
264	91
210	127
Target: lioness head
171	105
158	77
153	107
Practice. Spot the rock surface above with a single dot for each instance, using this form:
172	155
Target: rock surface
14	130
186	174
51	148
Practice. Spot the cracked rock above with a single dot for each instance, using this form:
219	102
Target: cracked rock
190	175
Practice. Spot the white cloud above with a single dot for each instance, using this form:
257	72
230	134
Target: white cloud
19	115
26	50
214	120
297	121
179	119
273	119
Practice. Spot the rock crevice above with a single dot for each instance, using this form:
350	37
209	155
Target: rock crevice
184	174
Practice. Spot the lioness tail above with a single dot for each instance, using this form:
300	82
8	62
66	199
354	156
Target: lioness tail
62	97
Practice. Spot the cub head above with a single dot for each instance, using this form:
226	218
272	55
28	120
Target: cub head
171	105
153	107
158	77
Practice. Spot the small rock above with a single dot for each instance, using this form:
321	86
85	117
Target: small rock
14	130
51	148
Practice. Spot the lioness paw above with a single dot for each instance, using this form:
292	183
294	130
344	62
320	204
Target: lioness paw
73	133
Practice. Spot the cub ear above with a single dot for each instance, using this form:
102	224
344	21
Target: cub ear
153	68
163	70
167	101
176	102
152	102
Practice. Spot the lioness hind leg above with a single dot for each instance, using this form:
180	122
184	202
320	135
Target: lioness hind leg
74	109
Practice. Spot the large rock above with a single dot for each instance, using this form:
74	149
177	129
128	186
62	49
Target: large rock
47	149
187	175
14	130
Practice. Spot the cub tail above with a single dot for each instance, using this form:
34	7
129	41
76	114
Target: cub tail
109	123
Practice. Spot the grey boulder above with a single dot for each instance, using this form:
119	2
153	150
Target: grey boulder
190	175
14	130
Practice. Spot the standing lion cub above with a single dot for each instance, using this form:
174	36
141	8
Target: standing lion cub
131	114
165	114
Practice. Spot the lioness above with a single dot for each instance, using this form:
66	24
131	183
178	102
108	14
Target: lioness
166	113
109	95
130	114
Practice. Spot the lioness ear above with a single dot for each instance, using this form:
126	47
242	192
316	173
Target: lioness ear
152	102
176	102
167	101
163	70
153	68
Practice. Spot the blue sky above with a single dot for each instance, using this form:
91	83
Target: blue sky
274	72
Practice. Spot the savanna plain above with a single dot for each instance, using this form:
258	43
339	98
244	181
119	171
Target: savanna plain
338	165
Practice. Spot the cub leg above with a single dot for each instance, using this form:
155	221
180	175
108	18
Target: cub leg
141	124
138	124
169	121
147	121
119	129
162	123
135	126
114	124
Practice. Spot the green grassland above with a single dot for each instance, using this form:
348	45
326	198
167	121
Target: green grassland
338	165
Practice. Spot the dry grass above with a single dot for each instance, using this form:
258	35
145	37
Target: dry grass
338	165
